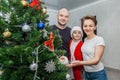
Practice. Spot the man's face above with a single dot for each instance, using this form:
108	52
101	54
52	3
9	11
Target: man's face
62	17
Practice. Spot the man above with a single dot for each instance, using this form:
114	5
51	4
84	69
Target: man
64	31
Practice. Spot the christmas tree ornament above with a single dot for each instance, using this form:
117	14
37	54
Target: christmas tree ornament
35	52
26	43
44	33
49	43
50	66
6	17
26	28
35	3
24	3
29	1
7	33
68	77
44	10
63	60
40	25
33	66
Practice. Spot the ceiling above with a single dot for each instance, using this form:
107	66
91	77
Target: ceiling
69	4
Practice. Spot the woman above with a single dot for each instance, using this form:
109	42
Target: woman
92	51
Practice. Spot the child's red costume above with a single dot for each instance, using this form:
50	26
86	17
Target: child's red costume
78	56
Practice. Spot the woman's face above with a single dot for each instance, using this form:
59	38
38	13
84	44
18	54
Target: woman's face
89	27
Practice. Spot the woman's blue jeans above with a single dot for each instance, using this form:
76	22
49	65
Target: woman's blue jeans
100	75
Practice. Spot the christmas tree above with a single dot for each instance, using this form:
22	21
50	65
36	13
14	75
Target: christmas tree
28	47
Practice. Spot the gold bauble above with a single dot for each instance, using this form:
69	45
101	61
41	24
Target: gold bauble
44	10
24	3
7	33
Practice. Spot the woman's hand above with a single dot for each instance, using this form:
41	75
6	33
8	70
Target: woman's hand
76	63
71	65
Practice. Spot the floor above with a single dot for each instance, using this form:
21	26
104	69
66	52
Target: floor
113	74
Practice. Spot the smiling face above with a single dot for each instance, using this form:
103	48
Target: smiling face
62	17
89	26
76	35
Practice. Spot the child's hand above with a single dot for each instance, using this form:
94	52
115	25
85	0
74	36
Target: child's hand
69	65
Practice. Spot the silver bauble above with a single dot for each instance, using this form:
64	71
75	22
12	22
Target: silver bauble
26	28
33	67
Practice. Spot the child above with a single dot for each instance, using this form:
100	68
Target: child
75	51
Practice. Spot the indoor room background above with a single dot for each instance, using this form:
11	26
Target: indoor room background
108	16
107	13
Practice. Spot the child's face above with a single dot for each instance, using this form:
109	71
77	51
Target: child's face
76	35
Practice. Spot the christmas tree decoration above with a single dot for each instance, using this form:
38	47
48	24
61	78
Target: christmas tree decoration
40	25
68	77
29	1
33	66
26	28
49	43
50	67
44	33
27	51
6	17
64	60
35	3
24	3
44	10
7	33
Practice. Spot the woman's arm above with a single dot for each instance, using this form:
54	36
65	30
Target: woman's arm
99	50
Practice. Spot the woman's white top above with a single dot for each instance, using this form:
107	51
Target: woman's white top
88	49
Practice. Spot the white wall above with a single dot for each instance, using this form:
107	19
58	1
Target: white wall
52	16
108	16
